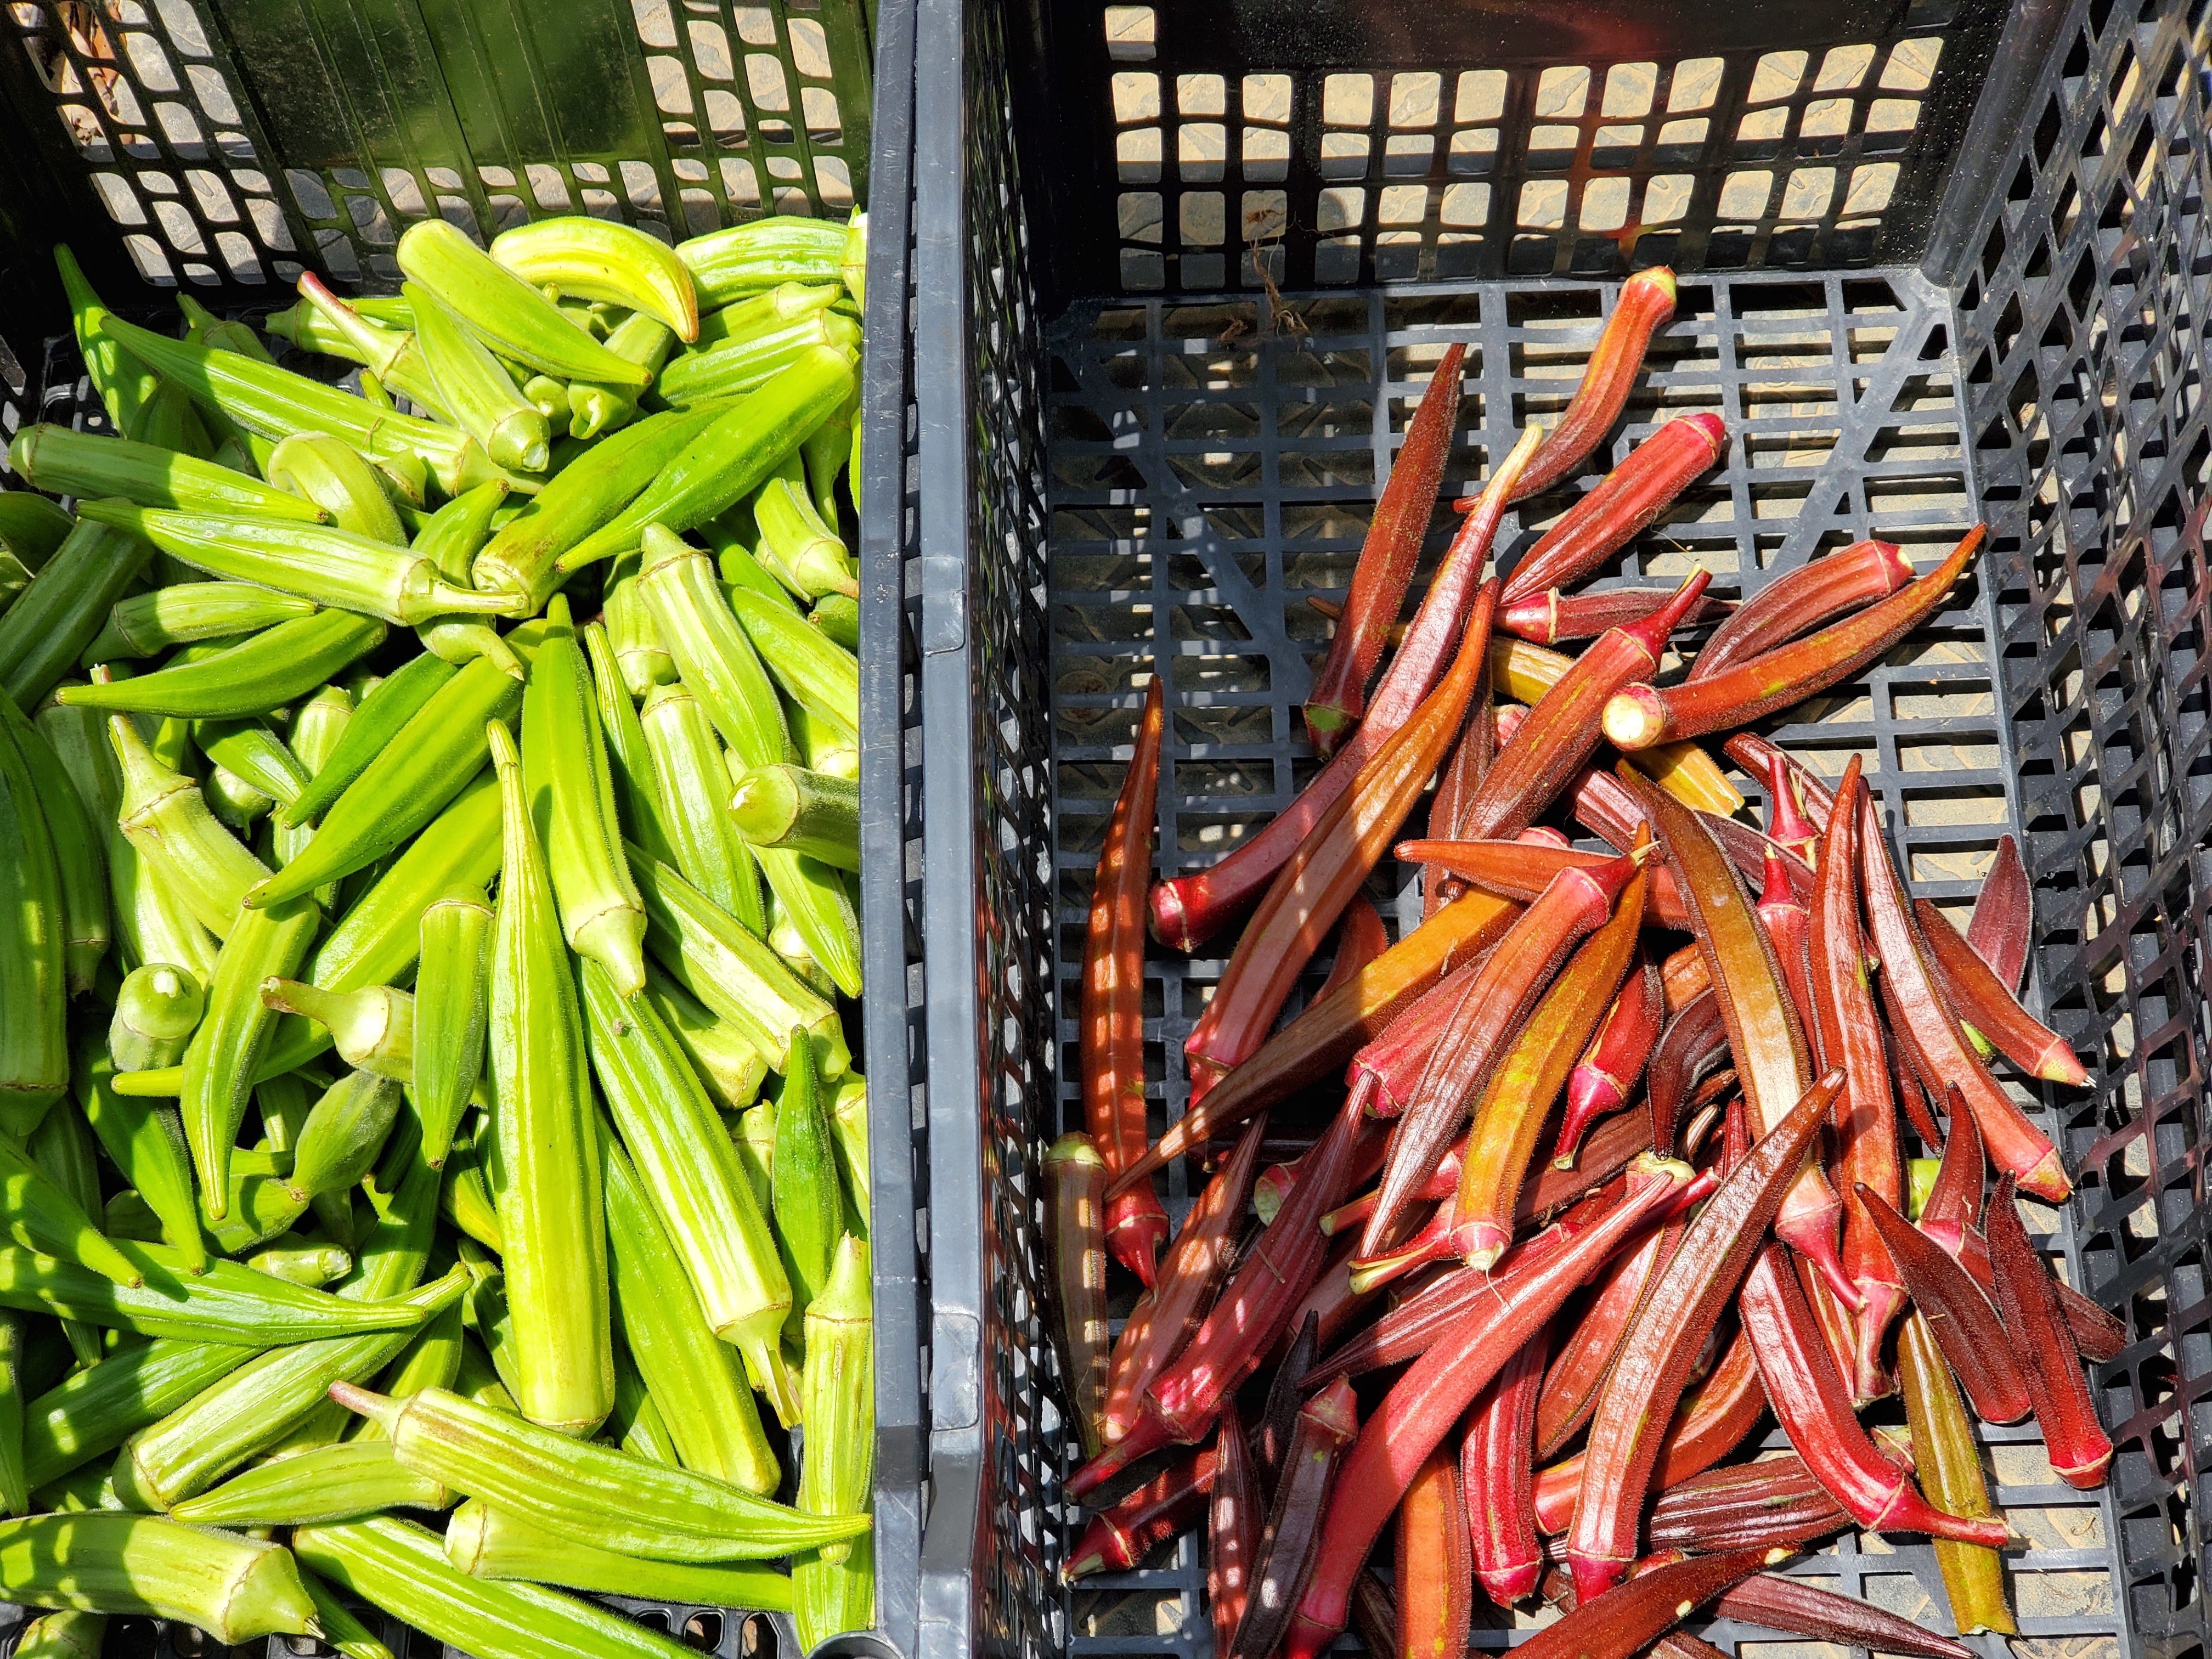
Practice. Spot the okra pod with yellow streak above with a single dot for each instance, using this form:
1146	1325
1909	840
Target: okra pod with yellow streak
572	803
277	666
728	1066
61	612
800	811
489	1543
697	1382
687	761
62	462
451	1012
683	1158
549	1191
603	259
318	468
629	756
372	1028
835	1588
34	970
340	1482
621	1502
234	1589
156	1010
146	625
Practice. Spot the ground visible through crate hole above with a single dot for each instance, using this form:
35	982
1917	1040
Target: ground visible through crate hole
1212	467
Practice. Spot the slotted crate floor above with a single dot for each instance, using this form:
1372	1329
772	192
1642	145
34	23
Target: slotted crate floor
1212	468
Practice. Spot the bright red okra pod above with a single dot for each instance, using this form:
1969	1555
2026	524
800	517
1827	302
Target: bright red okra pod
1498	1473
1646	304
1795	604
2079	1450
1554	617
1610	1068
1621	505
1130	1529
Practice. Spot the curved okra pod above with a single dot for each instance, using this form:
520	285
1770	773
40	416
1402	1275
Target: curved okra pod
491	1544
1987	1003
121	382
382	714
805	548
339	1142
51	622
1606	1074
1645	304
1955	1312
685	758
451	1013
253	756
549	1191
33	961
457	532
318	468
40	1214
62	462
331	566
235	1588
1291	1542
412	778
503	310
475	389
686	1159
591	409
564	760
1849	579
277	666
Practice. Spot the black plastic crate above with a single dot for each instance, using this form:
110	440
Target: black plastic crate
1181	272
222	146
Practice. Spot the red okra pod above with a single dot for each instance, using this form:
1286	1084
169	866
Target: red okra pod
1112	1007
1390	1068
1572	1382
1386	558
1498	1472
2003	912
1199	1256
1602	1156
1786	923
1647	1607
1800	1608
1279	1416
1776	1500
1758	757
1521	869
1331	1031
1429	1399
1847	1032
1787	826
1809	1401
1455	786
1621	505
1794	604
1645	714
1130	1529
1607	1072
1927	1029
1360	939
1646	304
1480	1028
1290	1542
1985	1002
1691	1044
1654	1364
1441	1185
1312	888
1277	1181
1434	1562
1563	729
1332	1303
1965	1324
1771	1056
1077	1174
2079	1450
1233	1519
1553	617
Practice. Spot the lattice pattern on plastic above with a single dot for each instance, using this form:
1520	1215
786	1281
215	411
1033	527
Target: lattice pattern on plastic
2082	332
1213	466
1788	158
237	149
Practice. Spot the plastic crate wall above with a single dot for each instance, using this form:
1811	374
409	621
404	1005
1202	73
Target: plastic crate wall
1210	467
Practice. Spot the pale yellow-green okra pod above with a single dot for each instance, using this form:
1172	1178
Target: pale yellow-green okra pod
629	756
686	758
451	1012
551	1210
835	1588
487	1543
234	1589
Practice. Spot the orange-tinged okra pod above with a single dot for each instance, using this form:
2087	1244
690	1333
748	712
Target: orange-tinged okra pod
1643	715
1113	999
1621	506
1646	303
1311	890
1794	604
1434	1562
1386	560
1647	1380
1076	1173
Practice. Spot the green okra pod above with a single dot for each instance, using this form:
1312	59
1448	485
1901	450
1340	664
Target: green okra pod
62	462
431	760
805	548
506	312
317	730
489	1543
256	1209
743	363
250	751
342	1135
730	1067
551	1210
643	660
712	655
79	865
594	409
164	816
698	1383
234	1589
146	1141
402	1568
80	1492
812	669
121	381
848	1127
685	1158
431	1359
808	1201
731	971
52	620
33	961
730	457
318	468
799	811
331	566
341	1631
466	1197
754	1136
835	1588
31	530
146	625
452	1011
323	1484
300	1263
731	539
629	756
621	1502
477	393
548	399
572	803
727	265
249	1409
584	496
381	716
227	1303
91	1412
402	1194
68	1634
823	747
458	531
14	1490
383	344
756	313
372	1028
604	261
838	616
707	846
274	667
636	1423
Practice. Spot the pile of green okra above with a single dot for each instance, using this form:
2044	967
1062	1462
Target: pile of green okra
432	1163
